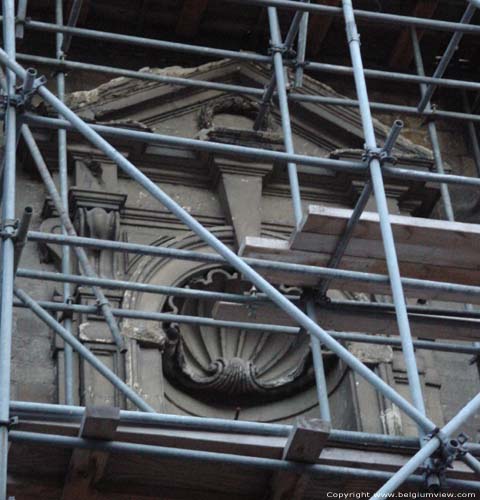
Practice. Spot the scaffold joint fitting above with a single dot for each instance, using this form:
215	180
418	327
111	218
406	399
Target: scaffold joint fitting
9	423
282	49
8	228
380	154
450	450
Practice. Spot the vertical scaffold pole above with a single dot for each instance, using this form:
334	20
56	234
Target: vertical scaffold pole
319	368
432	129
316	348
301	49
276	42
7	244
381	200
63	178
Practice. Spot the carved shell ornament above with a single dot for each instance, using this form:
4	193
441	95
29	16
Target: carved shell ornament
232	366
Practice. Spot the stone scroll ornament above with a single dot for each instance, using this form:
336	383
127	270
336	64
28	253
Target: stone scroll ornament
229	365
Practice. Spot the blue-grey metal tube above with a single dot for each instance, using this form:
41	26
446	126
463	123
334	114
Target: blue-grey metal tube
472	134
284	112
197	456
321	272
269	91
63	180
83	351
432	130
21	16
199	145
240	89
301	49
140	287
367	15
179	318
370	16
382	207
7	244
147	42
403	474
22	234
263	285
472	462
45	411
214	147
72	21
392	136
319	368
447	56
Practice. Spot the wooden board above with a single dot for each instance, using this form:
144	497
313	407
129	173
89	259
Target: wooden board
40	469
435	242
346	319
427	249
279	251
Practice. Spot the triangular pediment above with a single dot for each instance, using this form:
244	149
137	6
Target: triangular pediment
318	128
210	114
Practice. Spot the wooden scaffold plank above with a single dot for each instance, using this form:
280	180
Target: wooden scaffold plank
87	466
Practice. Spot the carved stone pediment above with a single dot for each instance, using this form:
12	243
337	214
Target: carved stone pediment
318	129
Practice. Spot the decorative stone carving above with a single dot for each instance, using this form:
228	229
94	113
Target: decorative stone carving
240	187
232	365
98	223
245	375
234	105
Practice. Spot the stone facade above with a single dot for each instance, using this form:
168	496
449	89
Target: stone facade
205	370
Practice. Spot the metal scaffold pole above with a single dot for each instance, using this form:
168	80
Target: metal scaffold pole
7	244
63	181
432	129
381	201
251	152
277	47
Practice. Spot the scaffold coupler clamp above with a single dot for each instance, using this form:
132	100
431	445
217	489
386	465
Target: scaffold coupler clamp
9	423
282	49
252	307
8	228
24	93
380	154
100	304
450	450
67	313
352	33
431	116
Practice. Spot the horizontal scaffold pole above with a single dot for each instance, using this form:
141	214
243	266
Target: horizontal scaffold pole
204	457
45	411
262	327
312	66
217	147
452	289
368	16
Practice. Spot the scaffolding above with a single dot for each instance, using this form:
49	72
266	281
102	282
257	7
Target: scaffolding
20	84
